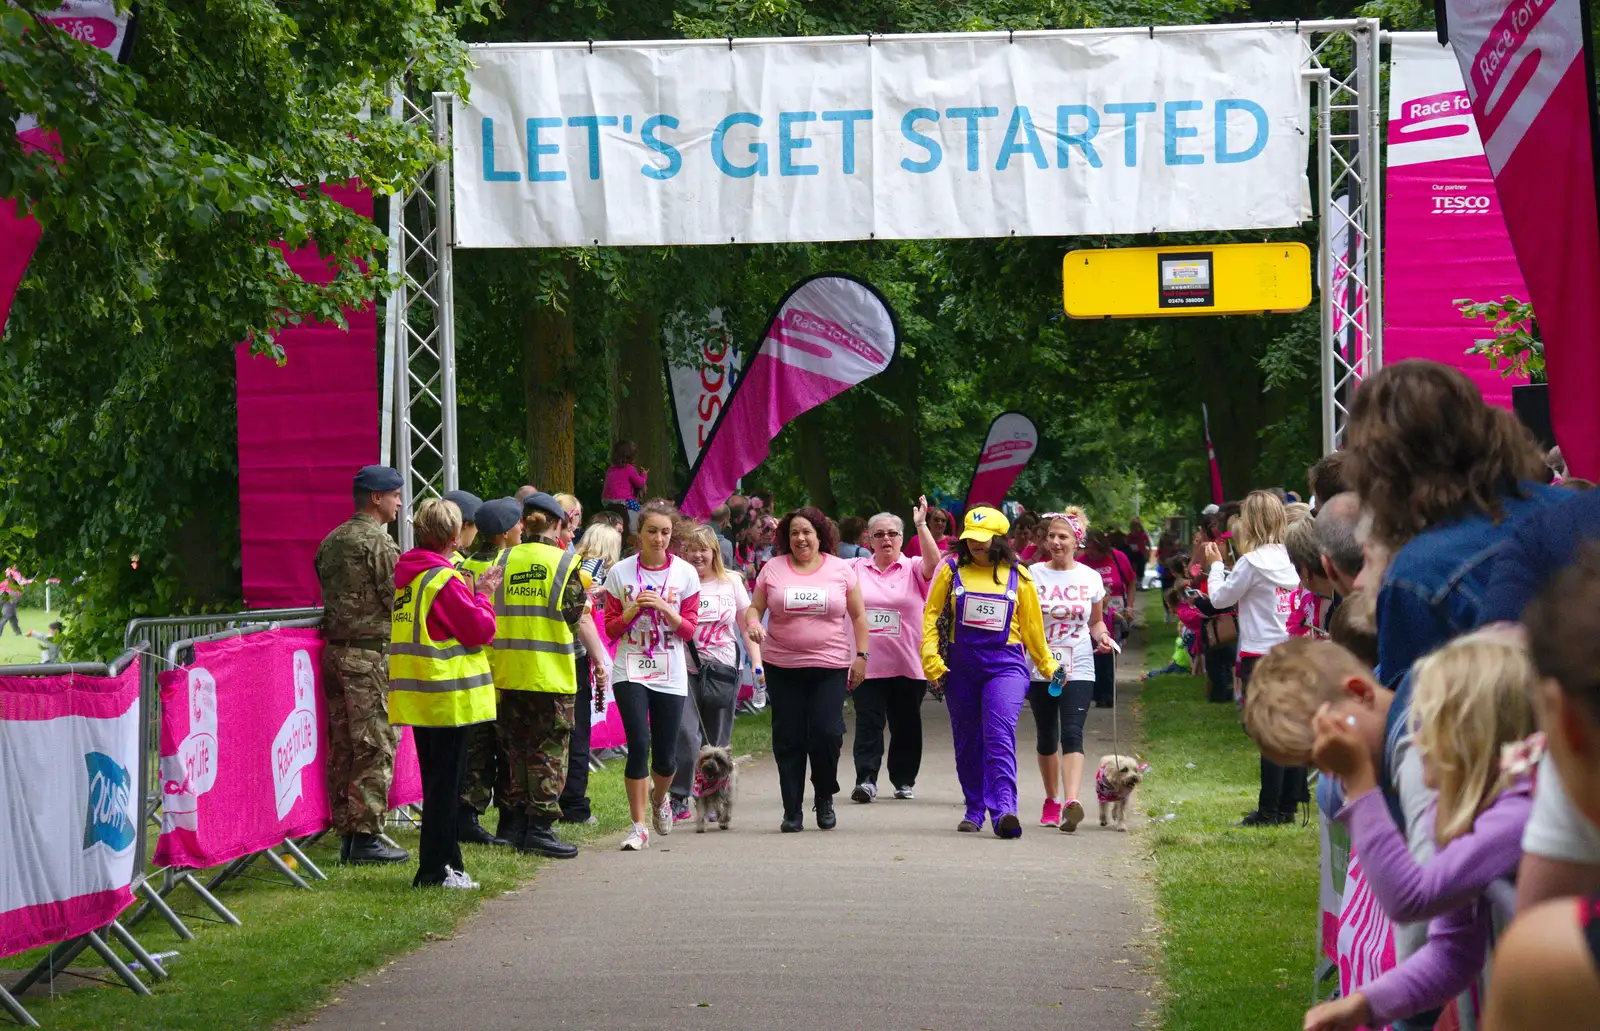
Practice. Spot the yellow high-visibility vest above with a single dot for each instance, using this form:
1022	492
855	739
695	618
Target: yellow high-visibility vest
433	683
534	649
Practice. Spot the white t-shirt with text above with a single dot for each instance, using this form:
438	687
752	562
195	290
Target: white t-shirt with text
650	653
1067	598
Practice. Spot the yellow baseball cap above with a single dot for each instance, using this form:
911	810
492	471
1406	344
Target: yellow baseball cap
984	523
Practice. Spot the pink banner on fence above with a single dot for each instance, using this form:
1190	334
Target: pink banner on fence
69	811
243	754
1524	66
1366	937
829	333
1011	442
406	788
305	427
1445	237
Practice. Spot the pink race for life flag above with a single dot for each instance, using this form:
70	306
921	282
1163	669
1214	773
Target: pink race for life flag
1527	73
243	755
69	804
96	23
1011	442
829	333
1445	237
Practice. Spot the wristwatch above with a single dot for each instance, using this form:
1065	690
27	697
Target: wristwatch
861	655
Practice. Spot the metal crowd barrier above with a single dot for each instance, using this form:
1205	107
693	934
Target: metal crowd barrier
179	635
60	956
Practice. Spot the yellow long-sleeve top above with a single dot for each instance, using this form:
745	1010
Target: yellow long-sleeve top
1027	619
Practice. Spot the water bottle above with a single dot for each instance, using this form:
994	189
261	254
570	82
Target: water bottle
759	699
1058	681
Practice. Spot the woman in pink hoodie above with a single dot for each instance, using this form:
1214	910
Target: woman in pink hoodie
440	627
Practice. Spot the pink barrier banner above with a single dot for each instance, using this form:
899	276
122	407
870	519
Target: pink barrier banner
1445	236
242	748
305	427
97	23
69	812
829	333
1366	937
605	729
1525	69
1011	442
406	788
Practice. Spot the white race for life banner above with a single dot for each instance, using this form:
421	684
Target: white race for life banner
910	137
701	383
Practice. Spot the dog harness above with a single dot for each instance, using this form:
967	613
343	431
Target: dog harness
704	787
1103	791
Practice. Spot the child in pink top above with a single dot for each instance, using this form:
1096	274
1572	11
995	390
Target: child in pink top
625	482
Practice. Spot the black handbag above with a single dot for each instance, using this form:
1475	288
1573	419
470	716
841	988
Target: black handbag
716	684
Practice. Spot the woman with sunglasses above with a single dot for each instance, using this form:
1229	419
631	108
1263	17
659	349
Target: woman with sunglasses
894	588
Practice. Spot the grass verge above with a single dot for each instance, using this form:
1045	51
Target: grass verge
1238	907
296	948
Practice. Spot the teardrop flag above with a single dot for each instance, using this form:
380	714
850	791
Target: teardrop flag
830	332
1011	442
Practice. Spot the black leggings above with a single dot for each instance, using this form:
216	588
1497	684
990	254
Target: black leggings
1105	680
1283	788
1059	720
651	720
807	724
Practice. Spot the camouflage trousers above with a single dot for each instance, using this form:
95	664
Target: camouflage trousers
486	766
361	743
536	727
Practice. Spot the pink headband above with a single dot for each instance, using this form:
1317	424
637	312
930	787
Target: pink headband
1073	521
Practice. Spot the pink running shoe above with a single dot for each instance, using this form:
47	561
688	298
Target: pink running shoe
1052	813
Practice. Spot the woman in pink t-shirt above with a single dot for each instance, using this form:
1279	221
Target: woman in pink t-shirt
815	622
894	589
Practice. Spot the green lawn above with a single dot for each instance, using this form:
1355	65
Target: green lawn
296	948
1238	907
16	650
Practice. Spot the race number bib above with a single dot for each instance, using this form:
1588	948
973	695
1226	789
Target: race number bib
984	613
805	601
883	622
1063	656
647	669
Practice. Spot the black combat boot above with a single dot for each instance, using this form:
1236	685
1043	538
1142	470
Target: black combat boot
540	839
470	832
369	848
512	826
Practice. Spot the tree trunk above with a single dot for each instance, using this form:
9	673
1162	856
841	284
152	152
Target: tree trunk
548	376
812	448
1227	358
639	401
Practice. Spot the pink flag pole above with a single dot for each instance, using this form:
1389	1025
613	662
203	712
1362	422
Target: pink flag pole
1211	457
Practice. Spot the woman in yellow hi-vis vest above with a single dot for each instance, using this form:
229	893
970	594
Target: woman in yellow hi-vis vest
499	525
541	612
439	677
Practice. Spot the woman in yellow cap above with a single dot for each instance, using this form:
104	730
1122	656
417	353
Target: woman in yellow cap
994	613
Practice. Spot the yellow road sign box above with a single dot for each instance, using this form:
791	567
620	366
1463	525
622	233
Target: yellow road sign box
1225	279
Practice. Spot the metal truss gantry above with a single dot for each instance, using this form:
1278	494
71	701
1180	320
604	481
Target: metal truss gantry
1343	73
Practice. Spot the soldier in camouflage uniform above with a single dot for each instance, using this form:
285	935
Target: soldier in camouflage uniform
355	564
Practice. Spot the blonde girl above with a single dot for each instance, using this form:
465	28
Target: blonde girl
1262	583
1471	698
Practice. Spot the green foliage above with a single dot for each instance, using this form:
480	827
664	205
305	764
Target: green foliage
1515	349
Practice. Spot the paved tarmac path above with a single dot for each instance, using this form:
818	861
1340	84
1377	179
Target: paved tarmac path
891	921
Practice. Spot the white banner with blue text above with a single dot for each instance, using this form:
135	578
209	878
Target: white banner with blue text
903	137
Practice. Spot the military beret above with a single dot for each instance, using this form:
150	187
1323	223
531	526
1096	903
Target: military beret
467	501
497	516
377	477
539	501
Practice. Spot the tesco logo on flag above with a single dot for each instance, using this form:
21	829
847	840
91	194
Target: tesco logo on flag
1478	205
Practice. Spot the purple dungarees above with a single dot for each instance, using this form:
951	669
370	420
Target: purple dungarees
987	685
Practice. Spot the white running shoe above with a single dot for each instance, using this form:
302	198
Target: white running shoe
866	791
662	816
905	792
637	840
454	878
